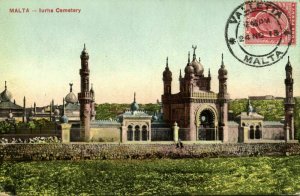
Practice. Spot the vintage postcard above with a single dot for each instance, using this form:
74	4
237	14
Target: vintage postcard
156	97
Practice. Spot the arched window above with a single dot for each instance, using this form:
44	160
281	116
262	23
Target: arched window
137	133
251	132
129	133
207	129
257	132
144	133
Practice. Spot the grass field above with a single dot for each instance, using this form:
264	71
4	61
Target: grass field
246	175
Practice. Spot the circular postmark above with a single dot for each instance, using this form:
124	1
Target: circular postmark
258	34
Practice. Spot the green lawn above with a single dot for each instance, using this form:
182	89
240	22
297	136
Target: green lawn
247	175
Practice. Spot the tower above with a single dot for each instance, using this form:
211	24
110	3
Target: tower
223	98
24	109
85	96
93	111
167	78
167	82
289	103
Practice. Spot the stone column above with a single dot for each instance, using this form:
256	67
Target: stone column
65	132
243	134
175	132
123	134
287	133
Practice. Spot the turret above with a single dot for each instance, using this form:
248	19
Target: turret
167	79
24	109
289	103
93	111
222	82
84	96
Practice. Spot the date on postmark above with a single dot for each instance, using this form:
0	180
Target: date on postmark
259	34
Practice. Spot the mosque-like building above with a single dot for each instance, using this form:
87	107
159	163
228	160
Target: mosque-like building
199	113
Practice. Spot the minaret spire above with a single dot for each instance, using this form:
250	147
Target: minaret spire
167	63
208	72
63	112
222	63
134	99
71	87
5	86
189	57
84	47
180	76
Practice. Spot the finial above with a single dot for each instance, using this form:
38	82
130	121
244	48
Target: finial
84	47
288	59
134	98
180	76
91	86
199	59
208	72
194	54
189	57
167	63
14	101
71	87
222	63
5	86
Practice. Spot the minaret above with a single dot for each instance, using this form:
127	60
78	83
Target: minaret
289	103
93	111
34	106
64	108
84	96
167	82
24	109
167	78
223	98
50	114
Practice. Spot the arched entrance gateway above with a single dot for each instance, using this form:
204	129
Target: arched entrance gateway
207	124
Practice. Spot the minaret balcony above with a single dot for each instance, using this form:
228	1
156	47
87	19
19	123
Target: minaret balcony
84	71
84	95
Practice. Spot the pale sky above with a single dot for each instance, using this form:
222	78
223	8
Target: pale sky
128	42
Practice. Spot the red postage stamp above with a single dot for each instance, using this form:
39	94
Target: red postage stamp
265	25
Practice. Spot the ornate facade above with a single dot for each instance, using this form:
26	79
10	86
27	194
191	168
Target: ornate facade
196	107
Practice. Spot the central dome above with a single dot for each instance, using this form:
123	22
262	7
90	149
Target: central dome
198	67
71	97
5	95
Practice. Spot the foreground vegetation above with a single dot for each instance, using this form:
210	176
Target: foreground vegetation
246	175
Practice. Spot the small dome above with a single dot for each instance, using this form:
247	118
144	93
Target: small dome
288	66
5	95
134	106
71	98
56	112
198	67
222	70
167	74
64	119
189	69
